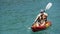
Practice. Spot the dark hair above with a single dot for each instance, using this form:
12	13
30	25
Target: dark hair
42	11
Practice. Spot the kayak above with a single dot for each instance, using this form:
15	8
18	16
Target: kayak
37	27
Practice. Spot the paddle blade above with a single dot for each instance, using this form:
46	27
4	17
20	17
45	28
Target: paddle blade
48	6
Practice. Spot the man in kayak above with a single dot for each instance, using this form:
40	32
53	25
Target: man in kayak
42	17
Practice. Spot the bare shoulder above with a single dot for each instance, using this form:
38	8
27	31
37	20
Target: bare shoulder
46	14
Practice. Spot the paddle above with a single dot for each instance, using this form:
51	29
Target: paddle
48	6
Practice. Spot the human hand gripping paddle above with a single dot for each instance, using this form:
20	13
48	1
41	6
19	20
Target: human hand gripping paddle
48	6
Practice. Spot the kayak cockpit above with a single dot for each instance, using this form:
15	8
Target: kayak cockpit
37	27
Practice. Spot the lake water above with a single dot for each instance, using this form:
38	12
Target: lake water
17	16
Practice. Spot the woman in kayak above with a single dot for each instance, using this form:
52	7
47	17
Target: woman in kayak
42	17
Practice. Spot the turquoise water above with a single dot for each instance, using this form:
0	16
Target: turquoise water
17	16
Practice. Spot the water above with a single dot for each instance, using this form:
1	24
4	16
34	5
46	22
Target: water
17	16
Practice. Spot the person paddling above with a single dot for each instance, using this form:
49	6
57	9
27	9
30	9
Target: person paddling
42	16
